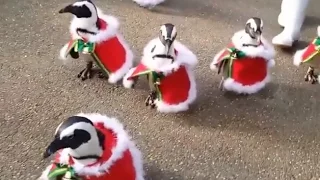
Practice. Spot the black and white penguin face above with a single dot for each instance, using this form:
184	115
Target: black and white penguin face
168	34
82	9
254	27
73	133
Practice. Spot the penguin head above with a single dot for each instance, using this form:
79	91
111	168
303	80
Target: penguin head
167	35
85	13
253	29
78	134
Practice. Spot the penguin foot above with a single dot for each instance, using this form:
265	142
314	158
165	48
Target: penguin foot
310	76
86	73
150	100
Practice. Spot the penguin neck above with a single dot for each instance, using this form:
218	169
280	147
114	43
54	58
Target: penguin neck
248	41
161	49
89	152
87	27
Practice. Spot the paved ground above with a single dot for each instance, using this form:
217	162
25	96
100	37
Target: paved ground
272	135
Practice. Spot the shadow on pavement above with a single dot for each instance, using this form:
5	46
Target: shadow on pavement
311	22
279	110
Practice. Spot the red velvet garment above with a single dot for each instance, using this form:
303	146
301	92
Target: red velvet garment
123	168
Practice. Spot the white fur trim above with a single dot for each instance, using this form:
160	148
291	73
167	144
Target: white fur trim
297	58
124	143
185	57
109	32
266	50
126	82
213	65
231	85
271	63
318	31
63	52
117	75
44	175
183	106
146	3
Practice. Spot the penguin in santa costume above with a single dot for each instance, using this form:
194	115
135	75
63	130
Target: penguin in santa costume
168	66
246	61
311	56
93	147
148	3
291	18
96	35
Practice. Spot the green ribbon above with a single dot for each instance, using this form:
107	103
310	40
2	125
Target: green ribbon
62	170
235	53
157	77
84	47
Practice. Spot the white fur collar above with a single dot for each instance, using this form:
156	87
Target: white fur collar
266	50
124	143
111	30
184	57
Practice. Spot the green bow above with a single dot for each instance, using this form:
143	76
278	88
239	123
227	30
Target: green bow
62	170
316	42
157	77
84	47
235	53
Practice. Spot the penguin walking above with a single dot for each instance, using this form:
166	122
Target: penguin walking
291	18
97	35
311	56
169	66
93	147
148	3
246	61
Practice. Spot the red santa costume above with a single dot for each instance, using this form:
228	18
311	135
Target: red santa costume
120	158
246	68
176	90
108	48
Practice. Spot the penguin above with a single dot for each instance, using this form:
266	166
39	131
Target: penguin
311	56
246	61
169	67
150	4
96	35
95	147
291	18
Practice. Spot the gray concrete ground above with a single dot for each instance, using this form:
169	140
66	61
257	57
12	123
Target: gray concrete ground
271	135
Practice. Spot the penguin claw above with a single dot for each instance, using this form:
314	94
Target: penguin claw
86	73
150	100
310	76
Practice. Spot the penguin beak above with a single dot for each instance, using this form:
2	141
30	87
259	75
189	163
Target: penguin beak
55	145
67	9
167	45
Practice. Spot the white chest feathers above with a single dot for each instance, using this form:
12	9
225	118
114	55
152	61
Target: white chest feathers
156	63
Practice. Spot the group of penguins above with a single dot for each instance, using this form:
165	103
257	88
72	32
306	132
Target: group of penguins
95	146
